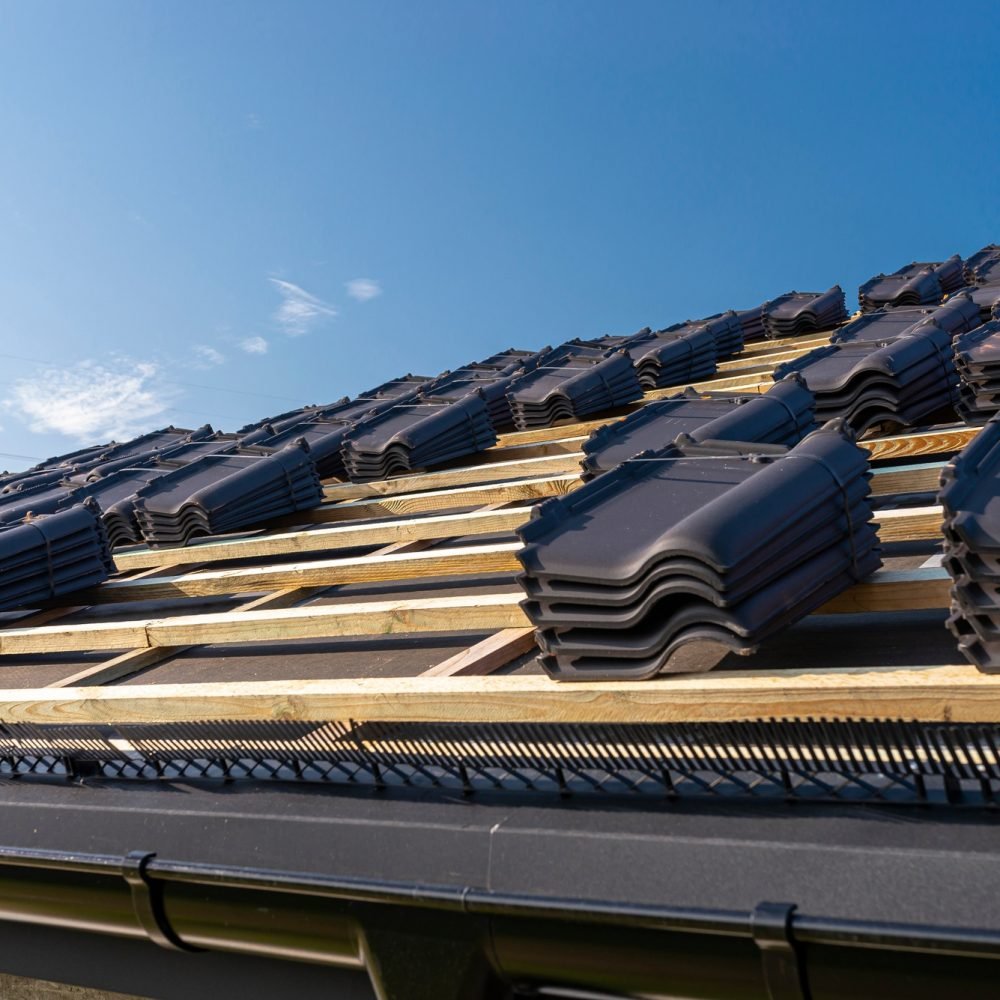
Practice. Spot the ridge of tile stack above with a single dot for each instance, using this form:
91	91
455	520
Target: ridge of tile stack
571	382
970	496
415	435
916	284
45	557
783	416
899	382
661	552
957	315
795	314
218	494
977	358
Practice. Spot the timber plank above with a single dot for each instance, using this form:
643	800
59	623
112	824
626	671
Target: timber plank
492	472
908	524
375	568
907	479
894	590
482	613
126	664
329	539
930	442
955	693
768	346
484	657
560	431
462	496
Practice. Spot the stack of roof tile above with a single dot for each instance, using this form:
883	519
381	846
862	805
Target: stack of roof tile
662	552
899	382
752	321
913	285
115	497
492	388
46	557
112	495
417	434
982	278
225	493
673	357
493	377
782	416
983	267
970	488
796	313
727	330
977	358
957	315
569	384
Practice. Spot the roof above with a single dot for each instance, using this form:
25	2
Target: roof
332	726
417	576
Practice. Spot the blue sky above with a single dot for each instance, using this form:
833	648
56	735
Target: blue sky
213	212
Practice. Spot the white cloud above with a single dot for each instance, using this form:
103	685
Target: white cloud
207	356
254	345
299	310
253	120
363	289
91	400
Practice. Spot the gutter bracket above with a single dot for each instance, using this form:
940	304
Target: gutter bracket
781	956
147	902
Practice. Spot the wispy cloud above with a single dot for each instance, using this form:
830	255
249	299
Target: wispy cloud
92	401
363	289
254	345
208	357
253	120
299	310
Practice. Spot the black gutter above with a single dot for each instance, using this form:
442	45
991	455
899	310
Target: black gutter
437	896
368	911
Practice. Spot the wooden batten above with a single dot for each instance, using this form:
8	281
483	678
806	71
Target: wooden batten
885	591
934	693
345	536
498	557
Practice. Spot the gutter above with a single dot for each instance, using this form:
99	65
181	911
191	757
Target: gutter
470	941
